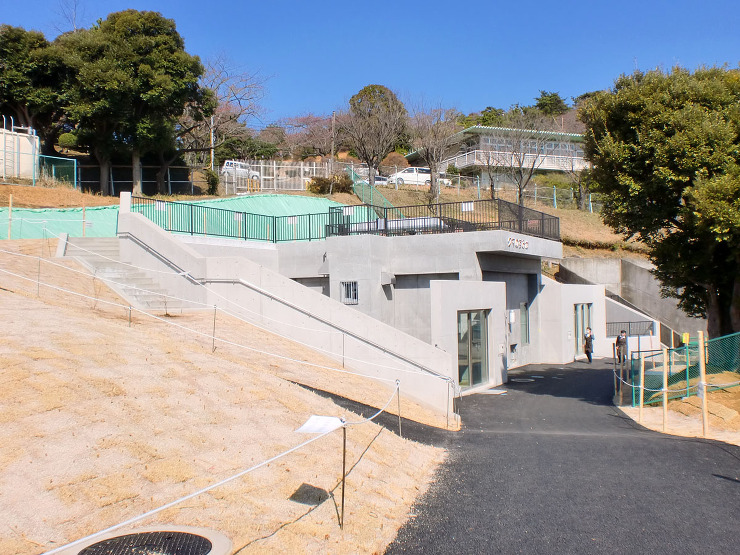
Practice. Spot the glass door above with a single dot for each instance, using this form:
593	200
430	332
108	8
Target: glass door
472	348
583	321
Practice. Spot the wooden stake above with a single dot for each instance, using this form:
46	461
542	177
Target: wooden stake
614	360
344	469
398	392
214	329
10	215
642	386
703	389
665	388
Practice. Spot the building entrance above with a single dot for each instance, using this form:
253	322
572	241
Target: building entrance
472	347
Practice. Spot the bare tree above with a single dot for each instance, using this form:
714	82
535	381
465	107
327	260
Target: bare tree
231	97
373	125
309	135
521	148
580	178
431	132
72	14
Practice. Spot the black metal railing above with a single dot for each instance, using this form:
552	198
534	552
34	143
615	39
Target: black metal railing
641	327
450	217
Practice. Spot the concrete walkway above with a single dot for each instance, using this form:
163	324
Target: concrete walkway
554	467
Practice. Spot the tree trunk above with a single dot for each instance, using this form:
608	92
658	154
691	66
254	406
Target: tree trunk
433	183
164	166
136	170
581	196
104	164
735	305
48	140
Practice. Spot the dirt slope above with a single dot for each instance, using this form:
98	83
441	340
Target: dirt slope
102	422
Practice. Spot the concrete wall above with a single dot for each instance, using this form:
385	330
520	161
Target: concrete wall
631	280
557	331
604	271
640	288
266	298
450	297
393	273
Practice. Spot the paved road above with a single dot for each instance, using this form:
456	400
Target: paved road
554	467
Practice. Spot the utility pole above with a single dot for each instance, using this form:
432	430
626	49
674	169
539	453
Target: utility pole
333	123
212	150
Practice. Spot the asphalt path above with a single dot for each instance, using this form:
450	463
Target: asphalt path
554	467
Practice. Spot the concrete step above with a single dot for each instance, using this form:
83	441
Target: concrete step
101	256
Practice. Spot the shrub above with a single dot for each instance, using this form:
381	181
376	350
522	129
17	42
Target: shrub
334	184
67	140
211	180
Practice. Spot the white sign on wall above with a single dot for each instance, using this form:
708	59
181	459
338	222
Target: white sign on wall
516	243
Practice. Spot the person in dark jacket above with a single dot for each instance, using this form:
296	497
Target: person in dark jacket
621	344
588	344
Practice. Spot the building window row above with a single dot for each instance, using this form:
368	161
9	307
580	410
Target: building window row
550	148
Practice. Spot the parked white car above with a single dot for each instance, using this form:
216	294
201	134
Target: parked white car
235	169
380	181
414	176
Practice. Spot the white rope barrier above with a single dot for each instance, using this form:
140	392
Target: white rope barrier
186	497
218	484
231	314
203	334
374	416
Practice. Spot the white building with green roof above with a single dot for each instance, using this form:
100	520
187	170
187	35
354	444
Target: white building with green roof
478	148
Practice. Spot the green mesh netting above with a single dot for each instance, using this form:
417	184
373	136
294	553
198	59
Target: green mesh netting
251	217
212	218
722	366
370	195
29	223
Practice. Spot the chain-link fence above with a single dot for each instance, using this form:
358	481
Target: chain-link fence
173	180
22	168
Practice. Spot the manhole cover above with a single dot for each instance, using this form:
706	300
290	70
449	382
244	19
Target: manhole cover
521	380
152	543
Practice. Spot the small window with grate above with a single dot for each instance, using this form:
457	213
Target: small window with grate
349	292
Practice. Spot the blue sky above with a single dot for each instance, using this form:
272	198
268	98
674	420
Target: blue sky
313	56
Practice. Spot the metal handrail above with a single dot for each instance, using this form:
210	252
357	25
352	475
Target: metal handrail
475	215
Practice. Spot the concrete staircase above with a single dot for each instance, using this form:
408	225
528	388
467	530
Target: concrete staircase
101	256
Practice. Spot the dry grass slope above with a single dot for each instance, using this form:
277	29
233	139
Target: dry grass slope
102	422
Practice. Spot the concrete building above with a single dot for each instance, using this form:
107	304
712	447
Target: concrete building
477	149
19	150
444	313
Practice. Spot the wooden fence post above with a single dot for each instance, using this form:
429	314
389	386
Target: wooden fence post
642	385
10	215
703	389
665	388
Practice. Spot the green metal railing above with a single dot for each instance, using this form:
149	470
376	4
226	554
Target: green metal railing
479	215
195	219
370	195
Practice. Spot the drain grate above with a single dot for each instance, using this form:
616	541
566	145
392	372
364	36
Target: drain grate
152	543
